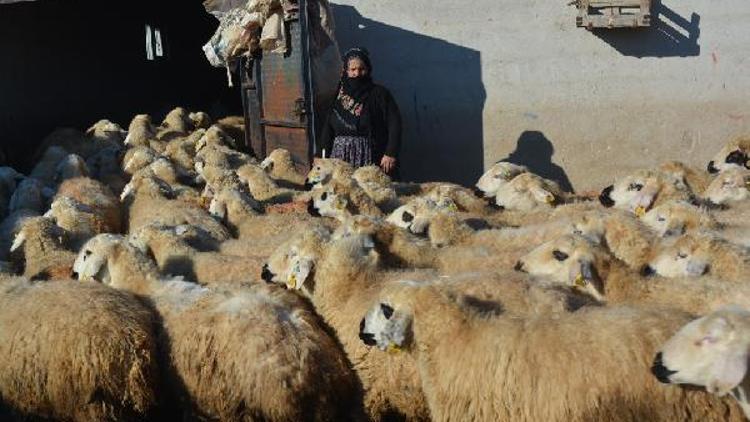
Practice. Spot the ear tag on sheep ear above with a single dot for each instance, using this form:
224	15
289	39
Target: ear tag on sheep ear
452	207
580	281
640	211
291	283
340	204
393	349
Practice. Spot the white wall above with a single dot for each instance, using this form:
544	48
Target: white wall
472	77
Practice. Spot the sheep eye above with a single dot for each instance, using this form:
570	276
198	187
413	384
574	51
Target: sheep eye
387	310
324	196
560	256
577	231
635	186
681	255
88	252
407	217
661	219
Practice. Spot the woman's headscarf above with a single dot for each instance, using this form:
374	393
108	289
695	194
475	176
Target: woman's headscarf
353	92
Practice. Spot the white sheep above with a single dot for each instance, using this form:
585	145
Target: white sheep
341	199
70	167
98	197
262	187
280	166
729	187
496	176
710	352
142	133
378	186
587	365
80	221
284	361
323	170
137	158
41	249
200	119
176	123
76	351
640	191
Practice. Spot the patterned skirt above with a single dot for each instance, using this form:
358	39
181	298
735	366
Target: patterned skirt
355	150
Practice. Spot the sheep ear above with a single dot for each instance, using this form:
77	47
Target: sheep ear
730	369
302	268
542	195
18	241
126	191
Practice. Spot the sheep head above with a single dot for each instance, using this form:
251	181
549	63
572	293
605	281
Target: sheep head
327	201
732	185
387	325
674	218
325	169
735	154
570	260
293	263
635	193
685	256
527	192
277	159
105	130
72	166
711	351
497	176
92	262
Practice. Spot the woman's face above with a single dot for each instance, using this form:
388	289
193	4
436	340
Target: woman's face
356	68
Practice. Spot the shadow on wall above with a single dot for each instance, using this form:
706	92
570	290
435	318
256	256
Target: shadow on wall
670	35
535	151
439	90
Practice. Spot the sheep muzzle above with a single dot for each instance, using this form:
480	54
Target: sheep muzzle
661	372
604	197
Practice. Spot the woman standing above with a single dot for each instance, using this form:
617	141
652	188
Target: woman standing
364	125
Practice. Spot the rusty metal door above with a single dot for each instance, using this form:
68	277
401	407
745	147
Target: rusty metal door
276	96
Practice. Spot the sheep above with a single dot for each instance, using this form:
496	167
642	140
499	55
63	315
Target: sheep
262	187
397	247
587	365
498	175
105	167
71	166
286	367
340	199
200	119
711	352
182	150
97	197
176	256
686	177
234	127
41	249
220	156
378	186
76	351
280	166
137	158
9	179
46	166
10	227
527	192
341	286
80	221
215	137
176	123
142	133
259	236
234	207
574	262
101	134
675	218
733	155
463	198
323	170
151	200
693	255
642	190
731	186
31	195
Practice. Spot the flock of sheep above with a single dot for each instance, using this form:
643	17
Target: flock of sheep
159	271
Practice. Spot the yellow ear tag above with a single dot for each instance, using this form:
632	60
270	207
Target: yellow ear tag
453	207
393	349
640	211
549	199
580	281
339	205
291	283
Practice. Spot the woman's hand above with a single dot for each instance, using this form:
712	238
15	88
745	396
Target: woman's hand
387	163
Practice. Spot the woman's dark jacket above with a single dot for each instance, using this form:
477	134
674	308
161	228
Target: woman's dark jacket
380	121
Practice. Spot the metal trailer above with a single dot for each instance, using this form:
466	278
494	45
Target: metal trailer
286	97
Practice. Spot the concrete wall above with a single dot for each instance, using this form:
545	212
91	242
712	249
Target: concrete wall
487	80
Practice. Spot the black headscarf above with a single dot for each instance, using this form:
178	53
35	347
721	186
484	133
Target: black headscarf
353	92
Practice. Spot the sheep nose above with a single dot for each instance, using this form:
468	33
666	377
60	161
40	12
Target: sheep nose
494	205
479	193
266	274
605	199
312	210
74	274
661	372
712	167
519	267
367	338
647	271
308	185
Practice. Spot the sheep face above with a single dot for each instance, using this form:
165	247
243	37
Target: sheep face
674	218
140	129
733	155
685	256
138	158
417	215
526	192
711	351
91	264
200	119
293	263
386	326
275	160
497	176
732	185
327	202
570	261
323	170
104	130
635	193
